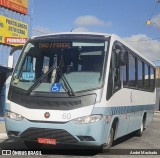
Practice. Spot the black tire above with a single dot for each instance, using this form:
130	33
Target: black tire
32	145
108	144
140	131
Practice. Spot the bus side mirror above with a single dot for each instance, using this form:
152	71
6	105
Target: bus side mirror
10	61
123	58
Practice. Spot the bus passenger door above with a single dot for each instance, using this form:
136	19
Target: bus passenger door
117	96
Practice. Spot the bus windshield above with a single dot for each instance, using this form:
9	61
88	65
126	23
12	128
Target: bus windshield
59	65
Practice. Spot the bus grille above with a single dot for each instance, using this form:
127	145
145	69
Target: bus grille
60	135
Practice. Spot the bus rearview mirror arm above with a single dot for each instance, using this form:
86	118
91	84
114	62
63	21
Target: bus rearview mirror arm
11	58
10	61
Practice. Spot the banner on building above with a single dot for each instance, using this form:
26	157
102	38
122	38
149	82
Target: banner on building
20	6
13	32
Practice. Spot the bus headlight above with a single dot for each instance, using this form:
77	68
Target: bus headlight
87	119
13	116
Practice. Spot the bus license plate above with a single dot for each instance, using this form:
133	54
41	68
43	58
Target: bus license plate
47	141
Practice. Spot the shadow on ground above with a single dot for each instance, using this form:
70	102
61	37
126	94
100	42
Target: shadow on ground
65	149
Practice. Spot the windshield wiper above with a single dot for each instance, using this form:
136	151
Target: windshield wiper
39	80
67	85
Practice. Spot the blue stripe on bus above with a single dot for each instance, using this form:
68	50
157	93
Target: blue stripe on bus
121	109
129	109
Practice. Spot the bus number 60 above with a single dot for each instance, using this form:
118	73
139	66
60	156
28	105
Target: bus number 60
66	116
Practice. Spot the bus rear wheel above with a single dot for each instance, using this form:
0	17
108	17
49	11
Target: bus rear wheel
32	145
108	144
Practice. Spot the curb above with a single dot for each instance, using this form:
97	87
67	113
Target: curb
3	136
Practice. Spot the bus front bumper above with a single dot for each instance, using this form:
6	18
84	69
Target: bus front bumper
92	134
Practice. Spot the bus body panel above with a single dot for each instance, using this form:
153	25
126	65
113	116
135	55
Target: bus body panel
97	130
55	115
127	105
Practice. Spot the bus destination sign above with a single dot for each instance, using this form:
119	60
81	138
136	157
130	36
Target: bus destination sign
55	45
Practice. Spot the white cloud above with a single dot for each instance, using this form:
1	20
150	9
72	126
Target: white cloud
148	47
80	29
90	20
40	30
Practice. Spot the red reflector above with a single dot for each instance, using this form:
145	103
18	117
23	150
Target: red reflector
108	119
47	141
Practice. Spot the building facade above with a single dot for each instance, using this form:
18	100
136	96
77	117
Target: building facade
15	25
15	29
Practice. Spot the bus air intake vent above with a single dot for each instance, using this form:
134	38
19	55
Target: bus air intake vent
48	103
61	136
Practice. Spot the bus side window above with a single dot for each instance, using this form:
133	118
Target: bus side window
146	77
110	81
152	79
114	83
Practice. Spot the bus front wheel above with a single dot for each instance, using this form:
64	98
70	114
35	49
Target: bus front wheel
140	131
108	144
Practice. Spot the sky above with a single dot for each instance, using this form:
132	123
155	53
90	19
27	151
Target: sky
125	18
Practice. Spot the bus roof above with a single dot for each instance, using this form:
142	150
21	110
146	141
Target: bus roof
74	33
113	37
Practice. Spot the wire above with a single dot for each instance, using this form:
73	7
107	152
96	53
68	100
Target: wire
151	15
154	39
40	31
153	10
153	46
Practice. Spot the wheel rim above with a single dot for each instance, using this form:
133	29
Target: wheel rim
108	142
109	139
142	127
